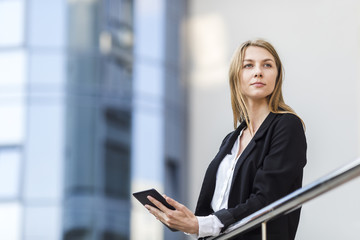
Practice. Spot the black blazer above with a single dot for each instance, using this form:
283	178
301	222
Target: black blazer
270	167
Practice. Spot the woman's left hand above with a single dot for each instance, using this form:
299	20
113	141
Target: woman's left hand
181	218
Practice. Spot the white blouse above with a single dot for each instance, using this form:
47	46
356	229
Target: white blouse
211	225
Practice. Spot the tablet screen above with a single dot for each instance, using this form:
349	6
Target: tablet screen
142	197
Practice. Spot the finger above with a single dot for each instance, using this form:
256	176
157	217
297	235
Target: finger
154	211
178	206
158	204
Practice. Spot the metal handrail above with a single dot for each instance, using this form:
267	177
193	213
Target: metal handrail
294	200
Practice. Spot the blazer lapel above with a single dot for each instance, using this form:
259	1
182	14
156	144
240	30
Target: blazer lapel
263	128
208	188
228	145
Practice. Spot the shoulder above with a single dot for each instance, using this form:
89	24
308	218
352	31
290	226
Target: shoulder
288	127
288	120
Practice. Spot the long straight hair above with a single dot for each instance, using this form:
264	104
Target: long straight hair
275	99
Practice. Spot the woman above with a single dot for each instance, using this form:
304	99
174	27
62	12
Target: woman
258	163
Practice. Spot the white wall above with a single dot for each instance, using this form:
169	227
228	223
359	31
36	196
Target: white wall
318	42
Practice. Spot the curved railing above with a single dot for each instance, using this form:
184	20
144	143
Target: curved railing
293	201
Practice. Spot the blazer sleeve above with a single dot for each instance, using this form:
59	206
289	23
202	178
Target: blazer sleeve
278	174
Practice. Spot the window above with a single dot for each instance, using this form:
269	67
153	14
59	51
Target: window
13	69
11	23
117	154
81	148
10	221
9	173
77	234
12	124
117	171
172	180
12	109
113	236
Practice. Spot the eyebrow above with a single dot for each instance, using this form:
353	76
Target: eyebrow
265	60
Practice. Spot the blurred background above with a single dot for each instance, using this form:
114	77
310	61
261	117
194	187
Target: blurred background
101	98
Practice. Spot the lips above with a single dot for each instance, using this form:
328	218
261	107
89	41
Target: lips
258	84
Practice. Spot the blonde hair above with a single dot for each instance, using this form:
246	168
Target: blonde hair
275	99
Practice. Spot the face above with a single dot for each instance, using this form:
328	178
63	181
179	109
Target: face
258	74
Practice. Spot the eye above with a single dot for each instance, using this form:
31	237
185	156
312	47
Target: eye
249	65
267	65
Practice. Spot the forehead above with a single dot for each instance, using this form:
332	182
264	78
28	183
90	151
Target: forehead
257	54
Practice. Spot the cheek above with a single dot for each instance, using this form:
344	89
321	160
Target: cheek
244	82
245	77
273	84
273	79
241	87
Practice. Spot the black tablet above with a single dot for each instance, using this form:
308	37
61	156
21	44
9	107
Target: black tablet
142	197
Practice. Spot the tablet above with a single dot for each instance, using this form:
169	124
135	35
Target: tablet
142	197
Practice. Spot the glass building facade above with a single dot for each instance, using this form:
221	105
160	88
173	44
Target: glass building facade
92	108
98	120
32	81
12	111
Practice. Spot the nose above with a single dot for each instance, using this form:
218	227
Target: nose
258	72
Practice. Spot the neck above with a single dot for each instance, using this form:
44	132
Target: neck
257	111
